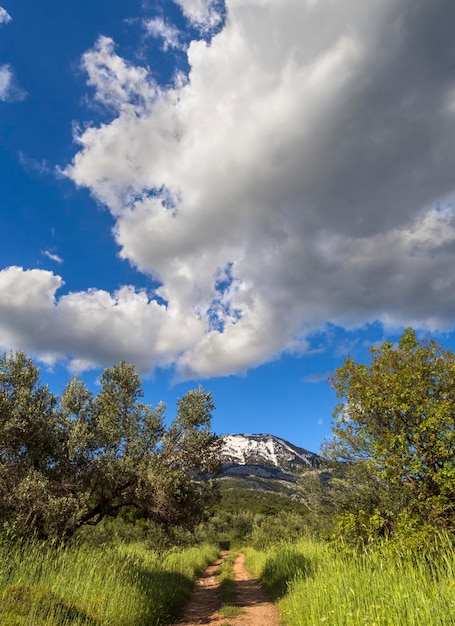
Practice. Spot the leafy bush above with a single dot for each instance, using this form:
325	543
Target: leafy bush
269	531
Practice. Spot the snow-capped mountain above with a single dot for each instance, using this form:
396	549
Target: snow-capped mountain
266	456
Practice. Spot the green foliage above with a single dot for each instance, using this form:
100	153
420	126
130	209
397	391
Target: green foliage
124	529
242	516
254	501
271	530
397	424
258	483
71	461
232	528
350	498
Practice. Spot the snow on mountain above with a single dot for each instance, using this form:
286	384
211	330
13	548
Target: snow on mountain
263	451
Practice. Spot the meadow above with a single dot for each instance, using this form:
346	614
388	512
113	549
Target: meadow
315	583
113	585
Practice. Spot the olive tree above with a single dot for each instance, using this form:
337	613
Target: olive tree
70	461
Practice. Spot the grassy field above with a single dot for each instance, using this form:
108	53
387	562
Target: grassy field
122	585
316	584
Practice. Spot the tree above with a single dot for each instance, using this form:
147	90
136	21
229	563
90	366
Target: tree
398	419
70	461
30	439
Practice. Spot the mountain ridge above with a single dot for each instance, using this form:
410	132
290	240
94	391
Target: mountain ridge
266	456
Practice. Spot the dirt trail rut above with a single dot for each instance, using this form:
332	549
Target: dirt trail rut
256	609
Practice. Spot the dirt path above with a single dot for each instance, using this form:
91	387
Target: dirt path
256	609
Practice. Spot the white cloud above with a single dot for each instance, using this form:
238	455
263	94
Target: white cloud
315	378
5	17
9	91
206	14
34	165
89	328
5	82
52	256
290	182
159	28
117	84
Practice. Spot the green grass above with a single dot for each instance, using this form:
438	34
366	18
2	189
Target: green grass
228	610
226	578
227	592
318	585
124	585
314	583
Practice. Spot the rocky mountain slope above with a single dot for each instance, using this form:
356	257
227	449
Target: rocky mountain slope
265	456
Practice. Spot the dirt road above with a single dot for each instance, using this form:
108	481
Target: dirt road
255	608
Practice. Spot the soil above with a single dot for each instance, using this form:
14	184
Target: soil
255	609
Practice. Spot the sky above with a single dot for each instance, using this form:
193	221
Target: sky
236	194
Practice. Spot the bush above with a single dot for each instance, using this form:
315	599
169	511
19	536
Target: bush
269	531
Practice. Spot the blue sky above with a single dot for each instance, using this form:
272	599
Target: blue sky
230	193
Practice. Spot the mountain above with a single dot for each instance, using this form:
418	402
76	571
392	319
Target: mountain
266	457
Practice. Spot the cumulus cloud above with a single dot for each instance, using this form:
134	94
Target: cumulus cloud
89	328
302	174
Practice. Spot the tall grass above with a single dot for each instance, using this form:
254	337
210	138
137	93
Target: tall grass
388	587
124	585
